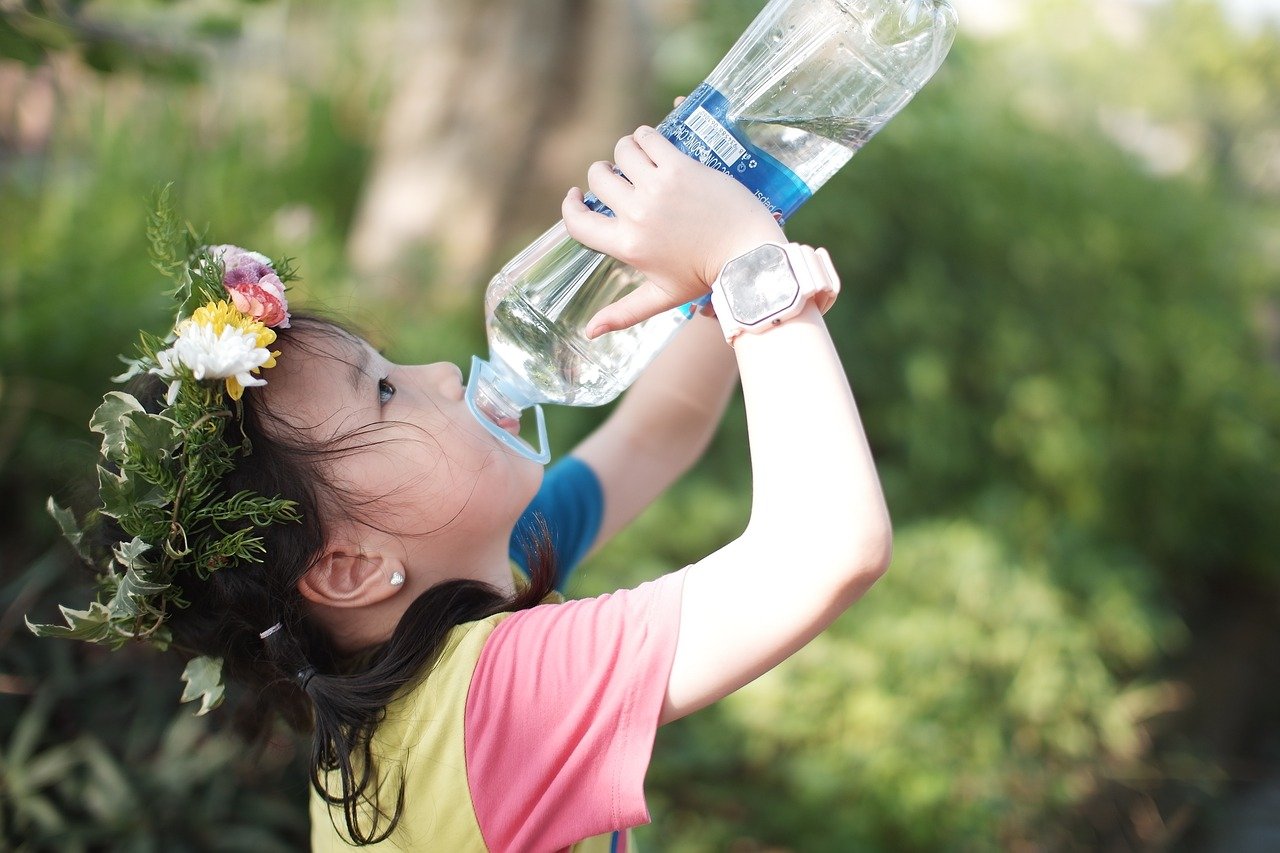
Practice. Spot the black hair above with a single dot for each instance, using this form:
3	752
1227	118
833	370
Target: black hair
298	670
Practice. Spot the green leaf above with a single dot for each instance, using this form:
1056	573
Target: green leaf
70	528
110	420
165	237
121	493
92	625
135	586
110	792
115	490
206	279
286	269
152	435
203	676
129	554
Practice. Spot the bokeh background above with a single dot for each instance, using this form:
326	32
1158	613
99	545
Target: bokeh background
1061	319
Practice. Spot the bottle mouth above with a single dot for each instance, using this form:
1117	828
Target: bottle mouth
498	411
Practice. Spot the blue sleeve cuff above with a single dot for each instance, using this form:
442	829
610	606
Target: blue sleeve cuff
571	503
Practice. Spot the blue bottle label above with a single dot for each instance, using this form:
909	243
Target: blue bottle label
701	128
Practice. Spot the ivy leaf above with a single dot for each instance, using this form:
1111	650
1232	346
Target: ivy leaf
92	625
129	554
70	528
153	435
121	494
110	419
203	676
116	492
136	586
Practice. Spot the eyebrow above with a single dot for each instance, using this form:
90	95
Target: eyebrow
360	367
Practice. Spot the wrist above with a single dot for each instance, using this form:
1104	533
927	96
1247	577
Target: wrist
741	243
770	284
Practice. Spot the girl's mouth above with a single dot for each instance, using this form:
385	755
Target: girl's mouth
499	413
511	425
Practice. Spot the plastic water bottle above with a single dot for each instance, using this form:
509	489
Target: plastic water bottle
805	87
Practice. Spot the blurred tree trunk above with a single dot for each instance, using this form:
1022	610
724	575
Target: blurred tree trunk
499	107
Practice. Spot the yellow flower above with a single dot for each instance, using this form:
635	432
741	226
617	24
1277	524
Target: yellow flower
220	342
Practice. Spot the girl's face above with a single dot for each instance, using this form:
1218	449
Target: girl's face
413	457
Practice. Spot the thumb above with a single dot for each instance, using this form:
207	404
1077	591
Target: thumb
647	300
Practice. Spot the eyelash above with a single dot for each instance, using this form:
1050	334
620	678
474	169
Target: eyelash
385	387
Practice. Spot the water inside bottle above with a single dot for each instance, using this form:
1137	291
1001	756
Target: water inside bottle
539	336
536	330
813	147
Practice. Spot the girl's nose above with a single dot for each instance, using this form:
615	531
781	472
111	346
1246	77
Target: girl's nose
447	376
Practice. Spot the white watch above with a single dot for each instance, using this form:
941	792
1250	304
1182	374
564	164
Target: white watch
770	284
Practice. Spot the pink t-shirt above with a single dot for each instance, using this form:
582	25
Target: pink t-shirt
561	715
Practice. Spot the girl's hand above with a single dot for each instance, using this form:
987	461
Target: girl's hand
676	220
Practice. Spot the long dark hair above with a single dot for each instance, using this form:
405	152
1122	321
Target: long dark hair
298	671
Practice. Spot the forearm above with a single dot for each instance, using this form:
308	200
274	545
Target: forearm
814	483
662	425
676	405
819	533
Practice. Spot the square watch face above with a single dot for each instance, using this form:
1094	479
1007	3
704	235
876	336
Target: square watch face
759	284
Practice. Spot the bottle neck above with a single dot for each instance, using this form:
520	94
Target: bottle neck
496	398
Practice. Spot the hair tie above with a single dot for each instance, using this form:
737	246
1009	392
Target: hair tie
269	631
304	677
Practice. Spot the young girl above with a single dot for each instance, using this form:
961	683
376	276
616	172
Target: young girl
454	707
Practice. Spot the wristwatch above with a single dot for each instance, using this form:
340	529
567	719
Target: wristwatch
770	284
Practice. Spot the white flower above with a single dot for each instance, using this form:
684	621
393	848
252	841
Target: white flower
168	361
217	342
210	355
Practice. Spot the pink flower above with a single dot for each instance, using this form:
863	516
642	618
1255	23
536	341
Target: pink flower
262	299
253	285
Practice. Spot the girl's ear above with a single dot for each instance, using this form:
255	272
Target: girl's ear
344	578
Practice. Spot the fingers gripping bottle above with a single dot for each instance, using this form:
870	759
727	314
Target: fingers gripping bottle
807	84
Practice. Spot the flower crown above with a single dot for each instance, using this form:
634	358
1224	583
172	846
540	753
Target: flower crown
161	481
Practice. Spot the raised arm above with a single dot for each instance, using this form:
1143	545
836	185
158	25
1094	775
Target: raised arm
662	425
819	532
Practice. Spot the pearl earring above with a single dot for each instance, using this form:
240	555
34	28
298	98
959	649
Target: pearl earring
396	579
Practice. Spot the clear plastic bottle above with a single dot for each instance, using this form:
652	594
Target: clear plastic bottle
807	84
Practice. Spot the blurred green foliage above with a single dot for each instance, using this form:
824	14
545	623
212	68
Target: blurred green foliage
971	704
110	37
1062	352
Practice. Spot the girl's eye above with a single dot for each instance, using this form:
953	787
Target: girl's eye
385	391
